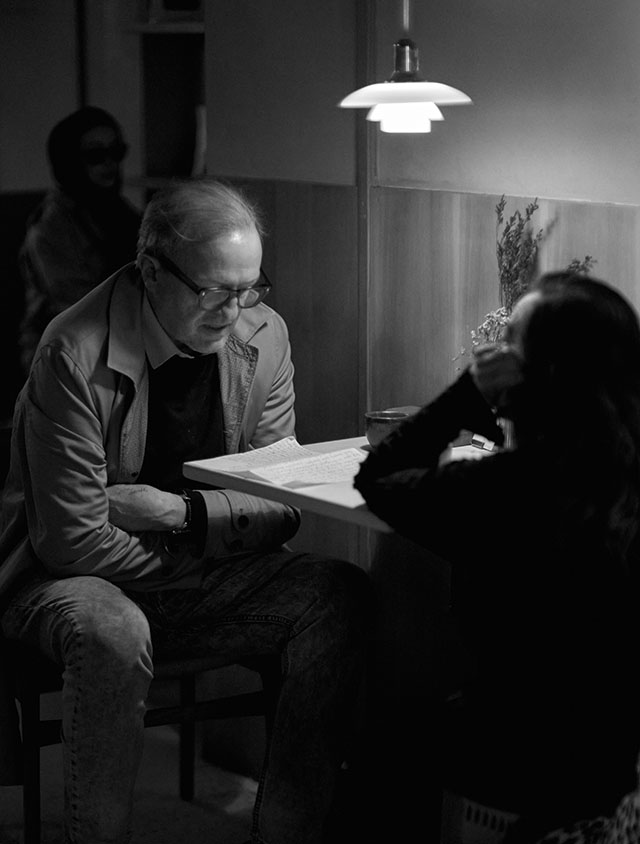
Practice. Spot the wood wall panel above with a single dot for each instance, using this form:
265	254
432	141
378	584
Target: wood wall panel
316	271
434	276
610	233
310	252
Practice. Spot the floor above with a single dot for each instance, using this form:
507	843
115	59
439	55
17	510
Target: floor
374	807
219	814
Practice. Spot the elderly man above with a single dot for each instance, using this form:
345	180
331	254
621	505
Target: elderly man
108	558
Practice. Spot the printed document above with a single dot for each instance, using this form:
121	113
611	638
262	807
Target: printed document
288	463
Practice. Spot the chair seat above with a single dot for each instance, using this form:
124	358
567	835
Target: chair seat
178	667
31	666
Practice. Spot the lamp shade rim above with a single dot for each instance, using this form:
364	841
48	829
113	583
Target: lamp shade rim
404	92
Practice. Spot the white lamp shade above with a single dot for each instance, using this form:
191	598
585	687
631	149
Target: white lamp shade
405	112
406	125
404	92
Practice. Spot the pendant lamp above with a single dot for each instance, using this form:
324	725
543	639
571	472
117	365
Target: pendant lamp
405	102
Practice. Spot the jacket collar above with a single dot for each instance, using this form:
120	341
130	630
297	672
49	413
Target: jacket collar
126	353
250	322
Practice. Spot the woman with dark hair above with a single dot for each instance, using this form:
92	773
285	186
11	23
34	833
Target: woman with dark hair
84	229
543	542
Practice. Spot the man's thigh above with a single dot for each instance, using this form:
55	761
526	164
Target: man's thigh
255	603
52	615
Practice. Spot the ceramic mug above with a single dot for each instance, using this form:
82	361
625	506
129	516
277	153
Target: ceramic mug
380	423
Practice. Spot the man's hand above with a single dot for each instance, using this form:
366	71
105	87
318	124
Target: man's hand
137	507
495	370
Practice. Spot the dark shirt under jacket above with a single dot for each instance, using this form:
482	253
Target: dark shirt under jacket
551	718
185	420
185	423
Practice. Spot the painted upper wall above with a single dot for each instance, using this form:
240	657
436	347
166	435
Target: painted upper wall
37	86
555	87
275	71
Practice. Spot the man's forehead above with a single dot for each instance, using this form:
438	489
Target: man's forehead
234	241
237	236
236	255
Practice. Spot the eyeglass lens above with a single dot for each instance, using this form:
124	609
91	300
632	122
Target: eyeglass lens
210	298
247	298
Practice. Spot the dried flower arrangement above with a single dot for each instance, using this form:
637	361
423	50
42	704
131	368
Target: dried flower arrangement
517	254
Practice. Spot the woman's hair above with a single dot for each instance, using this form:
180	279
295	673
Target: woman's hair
581	397
63	145
194	211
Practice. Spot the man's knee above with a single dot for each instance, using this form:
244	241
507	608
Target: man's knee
80	618
108	626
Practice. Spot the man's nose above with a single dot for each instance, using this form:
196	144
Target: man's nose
232	307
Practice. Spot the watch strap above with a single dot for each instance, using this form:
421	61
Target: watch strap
186	525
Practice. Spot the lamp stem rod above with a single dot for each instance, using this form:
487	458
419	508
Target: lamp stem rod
405	16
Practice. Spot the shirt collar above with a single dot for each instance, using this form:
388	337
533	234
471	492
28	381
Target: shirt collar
159	347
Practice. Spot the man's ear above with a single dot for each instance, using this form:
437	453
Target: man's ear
148	269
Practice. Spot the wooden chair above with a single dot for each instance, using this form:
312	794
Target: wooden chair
35	675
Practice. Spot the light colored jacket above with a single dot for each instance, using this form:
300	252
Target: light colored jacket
80	425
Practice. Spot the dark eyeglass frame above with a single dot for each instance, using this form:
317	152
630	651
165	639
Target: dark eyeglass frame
261	287
98	155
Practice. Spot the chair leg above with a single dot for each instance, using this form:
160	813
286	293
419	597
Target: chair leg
187	739
30	716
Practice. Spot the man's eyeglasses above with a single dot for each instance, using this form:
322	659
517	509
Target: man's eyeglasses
211	298
99	155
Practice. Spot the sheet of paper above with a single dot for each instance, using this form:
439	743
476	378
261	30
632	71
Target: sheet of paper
278	452
334	467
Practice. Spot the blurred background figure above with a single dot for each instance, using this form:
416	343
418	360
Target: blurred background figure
84	229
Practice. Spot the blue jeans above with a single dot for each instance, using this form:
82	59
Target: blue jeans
310	610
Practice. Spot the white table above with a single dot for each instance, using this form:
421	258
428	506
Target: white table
336	500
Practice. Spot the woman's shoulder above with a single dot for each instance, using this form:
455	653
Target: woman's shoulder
54	214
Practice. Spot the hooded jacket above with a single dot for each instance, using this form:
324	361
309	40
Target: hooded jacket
78	235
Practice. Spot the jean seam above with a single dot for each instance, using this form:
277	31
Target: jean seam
262	619
72	785
73	754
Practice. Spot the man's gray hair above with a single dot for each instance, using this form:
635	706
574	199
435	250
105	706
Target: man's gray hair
194	211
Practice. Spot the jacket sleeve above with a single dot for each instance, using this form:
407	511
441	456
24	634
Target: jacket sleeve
64	476
239	523
404	484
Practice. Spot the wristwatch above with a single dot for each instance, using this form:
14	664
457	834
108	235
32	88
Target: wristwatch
185	527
